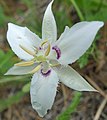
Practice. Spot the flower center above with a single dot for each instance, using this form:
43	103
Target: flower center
40	57
45	47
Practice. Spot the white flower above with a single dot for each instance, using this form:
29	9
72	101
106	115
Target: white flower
48	59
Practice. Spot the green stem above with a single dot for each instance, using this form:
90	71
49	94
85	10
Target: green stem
78	10
67	113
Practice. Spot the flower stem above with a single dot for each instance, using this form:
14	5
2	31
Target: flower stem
78	10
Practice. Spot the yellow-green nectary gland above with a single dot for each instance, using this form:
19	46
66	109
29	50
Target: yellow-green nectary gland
40	58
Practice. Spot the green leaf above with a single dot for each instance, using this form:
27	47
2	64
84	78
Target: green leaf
93	9
6	58
83	61
13	78
26	88
6	61
2	17
1	54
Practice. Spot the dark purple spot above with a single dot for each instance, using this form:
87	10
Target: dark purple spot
58	51
45	74
40	48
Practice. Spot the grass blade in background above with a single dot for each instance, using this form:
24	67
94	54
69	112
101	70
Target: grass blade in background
72	108
5	103
14	78
78	10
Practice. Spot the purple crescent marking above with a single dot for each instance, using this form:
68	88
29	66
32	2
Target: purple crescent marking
58	51
46	74
40	48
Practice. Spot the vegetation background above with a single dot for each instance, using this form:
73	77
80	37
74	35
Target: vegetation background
69	104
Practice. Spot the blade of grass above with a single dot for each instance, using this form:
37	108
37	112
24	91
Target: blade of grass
6	58
5	103
67	113
78	10
16	78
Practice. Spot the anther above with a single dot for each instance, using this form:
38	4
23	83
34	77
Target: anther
36	69
44	42
28	63
28	51
48	50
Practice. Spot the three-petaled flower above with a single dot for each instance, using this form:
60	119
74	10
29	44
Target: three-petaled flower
48	59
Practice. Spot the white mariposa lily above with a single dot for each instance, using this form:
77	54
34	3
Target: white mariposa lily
48	59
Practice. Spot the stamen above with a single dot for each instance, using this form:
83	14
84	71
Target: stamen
26	50
35	49
46	74
28	63
35	69
48	50
58	51
44	42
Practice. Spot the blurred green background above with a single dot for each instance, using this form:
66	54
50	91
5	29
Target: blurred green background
29	13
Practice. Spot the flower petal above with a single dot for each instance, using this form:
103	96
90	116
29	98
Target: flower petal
49	29
65	32
72	79
75	41
17	36
43	92
16	70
